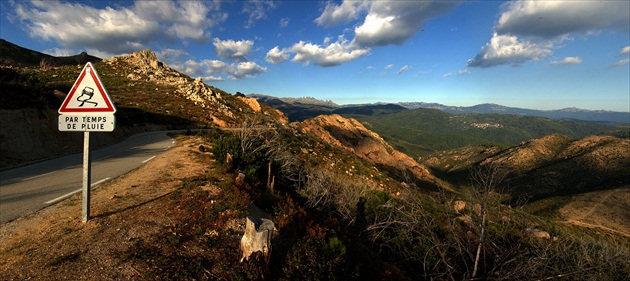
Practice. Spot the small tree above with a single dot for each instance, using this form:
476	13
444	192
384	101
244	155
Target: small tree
486	180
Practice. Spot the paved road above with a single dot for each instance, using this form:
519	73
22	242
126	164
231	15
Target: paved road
27	189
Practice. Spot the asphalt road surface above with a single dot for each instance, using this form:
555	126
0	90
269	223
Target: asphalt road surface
26	189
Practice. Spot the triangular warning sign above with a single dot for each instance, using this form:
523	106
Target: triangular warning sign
87	95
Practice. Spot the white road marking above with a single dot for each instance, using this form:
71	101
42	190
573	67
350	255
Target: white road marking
145	161
74	192
63	197
104	157
34	177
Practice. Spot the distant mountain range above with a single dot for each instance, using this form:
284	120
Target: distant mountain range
571	113
298	109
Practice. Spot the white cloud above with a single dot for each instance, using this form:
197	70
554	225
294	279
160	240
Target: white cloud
57	52
211	70
334	54
389	66
507	49
461	72
174	55
553	19
568	60
624	51
213	78
214	66
403	69
276	56
394	22
257	10
622	62
233	50
530	30
192	68
120	29
386	22
245	70
345	12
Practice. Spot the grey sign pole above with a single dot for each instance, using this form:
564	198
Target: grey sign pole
87	175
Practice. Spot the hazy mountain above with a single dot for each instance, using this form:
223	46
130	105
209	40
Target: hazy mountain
602	116
302	108
346	198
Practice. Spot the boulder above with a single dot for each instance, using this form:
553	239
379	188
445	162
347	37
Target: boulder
459	206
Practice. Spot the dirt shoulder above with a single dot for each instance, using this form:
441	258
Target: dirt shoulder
132	217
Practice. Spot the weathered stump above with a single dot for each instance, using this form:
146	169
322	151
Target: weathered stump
257	237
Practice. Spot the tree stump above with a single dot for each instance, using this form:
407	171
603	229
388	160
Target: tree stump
257	237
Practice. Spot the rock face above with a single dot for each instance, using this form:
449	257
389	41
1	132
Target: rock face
257	237
252	103
147	67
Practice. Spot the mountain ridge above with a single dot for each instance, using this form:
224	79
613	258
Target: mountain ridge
569	113
346	203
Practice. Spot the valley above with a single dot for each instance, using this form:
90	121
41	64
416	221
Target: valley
356	193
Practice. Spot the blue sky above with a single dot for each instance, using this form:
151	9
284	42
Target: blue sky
530	54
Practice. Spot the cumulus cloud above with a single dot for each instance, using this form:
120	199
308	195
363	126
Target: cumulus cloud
389	66
117	30
624	51
530	30
215	70
386	22
333	54
552	19
276	56
211	78
233	50
394	22
508	49
245	70
347	11
568	60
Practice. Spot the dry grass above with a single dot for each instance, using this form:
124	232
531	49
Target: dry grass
129	214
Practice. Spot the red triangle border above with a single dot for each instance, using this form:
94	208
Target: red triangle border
110	107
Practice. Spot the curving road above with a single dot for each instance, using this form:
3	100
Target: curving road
27	189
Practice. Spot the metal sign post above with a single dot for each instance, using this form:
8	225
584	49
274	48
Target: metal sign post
96	116
87	177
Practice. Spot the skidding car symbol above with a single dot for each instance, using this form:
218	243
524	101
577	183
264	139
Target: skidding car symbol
86	95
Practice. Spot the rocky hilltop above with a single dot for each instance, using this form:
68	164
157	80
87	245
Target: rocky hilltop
352	136
345	203
148	94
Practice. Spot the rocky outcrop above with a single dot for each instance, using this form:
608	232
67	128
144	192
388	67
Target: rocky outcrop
147	67
351	135
252	103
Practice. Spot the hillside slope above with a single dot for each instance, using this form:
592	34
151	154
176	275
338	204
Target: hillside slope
436	130
148	95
